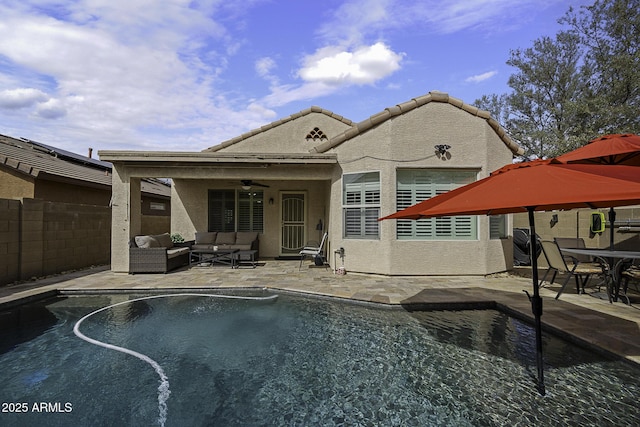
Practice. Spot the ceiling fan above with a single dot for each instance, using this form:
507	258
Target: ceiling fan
247	184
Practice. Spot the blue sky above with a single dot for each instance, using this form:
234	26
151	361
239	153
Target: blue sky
184	75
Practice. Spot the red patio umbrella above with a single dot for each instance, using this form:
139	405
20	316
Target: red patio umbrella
535	186
614	149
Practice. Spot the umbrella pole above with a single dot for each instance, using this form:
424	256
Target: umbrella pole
536	301
612	220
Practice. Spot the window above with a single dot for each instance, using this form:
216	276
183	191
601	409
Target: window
497	226
236	211
361	204
416	185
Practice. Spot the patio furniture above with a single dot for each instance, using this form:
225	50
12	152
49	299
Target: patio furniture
245	258
155	254
573	243
212	256
631	273
613	269
313	251
557	262
241	240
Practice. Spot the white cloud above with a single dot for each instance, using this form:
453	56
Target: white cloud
21	98
52	109
364	65
481	77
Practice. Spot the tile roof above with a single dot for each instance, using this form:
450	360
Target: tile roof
38	161
42	161
433	96
277	123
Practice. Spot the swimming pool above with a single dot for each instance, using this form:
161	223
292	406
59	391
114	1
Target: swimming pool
295	361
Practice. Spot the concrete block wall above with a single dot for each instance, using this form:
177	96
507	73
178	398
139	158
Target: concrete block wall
9	240
40	238
74	236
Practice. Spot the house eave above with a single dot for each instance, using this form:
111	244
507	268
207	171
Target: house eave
200	158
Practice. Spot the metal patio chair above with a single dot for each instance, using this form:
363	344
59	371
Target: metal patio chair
313	251
557	261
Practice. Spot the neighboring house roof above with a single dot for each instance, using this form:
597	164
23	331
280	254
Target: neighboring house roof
277	123
434	96
41	161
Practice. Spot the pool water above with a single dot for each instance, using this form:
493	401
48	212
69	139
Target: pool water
295	361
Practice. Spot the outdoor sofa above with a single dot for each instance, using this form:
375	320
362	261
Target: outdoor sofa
227	240
156	254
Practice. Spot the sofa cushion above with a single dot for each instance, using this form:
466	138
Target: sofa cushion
226	238
246	237
241	247
175	252
146	242
205	237
164	240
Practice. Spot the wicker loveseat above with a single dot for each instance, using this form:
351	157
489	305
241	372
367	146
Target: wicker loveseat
241	240
156	254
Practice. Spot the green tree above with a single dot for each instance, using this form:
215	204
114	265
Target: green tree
545	92
610	34
583	83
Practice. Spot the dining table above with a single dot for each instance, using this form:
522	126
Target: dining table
612	261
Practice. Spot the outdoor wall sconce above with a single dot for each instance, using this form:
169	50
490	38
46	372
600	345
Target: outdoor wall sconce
271	200
442	149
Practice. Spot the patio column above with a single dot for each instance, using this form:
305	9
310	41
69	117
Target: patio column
125	217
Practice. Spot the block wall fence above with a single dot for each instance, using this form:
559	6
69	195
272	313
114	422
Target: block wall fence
39	238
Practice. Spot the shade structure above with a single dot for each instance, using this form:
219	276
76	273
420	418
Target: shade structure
535	186
614	149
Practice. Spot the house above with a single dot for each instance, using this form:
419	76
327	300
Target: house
30	169
55	211
316	171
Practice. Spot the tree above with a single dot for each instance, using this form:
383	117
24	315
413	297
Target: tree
545	93
583	83
610	33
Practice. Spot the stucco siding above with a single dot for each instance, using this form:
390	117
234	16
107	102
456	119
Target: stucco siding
290	137
16	185
407	141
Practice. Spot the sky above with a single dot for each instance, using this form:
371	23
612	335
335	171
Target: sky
185	75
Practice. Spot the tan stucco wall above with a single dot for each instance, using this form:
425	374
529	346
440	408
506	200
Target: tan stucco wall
15	185
411	138
290	137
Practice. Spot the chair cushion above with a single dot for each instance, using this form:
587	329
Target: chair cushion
146	242
226	238
206	237
164	240
246	237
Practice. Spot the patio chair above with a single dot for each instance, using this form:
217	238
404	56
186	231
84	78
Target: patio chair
630	272
313	251
575	243
557	261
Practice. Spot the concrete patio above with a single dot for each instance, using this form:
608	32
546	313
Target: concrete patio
591	321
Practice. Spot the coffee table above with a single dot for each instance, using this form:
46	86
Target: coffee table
247	257
220	256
